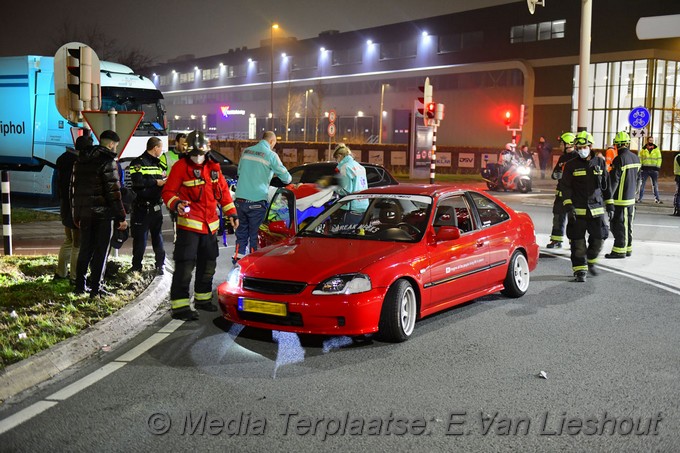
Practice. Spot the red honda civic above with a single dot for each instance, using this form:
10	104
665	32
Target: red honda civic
379	260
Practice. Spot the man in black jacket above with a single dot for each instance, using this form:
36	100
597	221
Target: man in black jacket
97	204
68	252
148	175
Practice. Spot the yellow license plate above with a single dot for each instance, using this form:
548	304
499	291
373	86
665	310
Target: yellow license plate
267	308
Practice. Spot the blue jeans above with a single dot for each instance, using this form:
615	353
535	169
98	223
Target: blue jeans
250	217
654	174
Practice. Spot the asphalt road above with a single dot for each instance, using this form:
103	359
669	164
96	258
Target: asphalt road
468	380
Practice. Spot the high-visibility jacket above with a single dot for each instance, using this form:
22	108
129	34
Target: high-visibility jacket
623	178
169	158
145	170
609	157
676	165
650	157
584	185
204	187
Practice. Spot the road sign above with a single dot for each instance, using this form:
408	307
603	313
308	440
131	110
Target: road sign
125	125
331	130
638	133
639	117
331	116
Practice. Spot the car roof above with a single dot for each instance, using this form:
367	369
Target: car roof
331	164
418	189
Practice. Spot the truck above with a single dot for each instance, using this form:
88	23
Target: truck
33	134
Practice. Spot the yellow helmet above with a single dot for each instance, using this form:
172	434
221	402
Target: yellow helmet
583	138
622	138
568	138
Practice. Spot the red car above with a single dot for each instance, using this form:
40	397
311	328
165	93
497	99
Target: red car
378	260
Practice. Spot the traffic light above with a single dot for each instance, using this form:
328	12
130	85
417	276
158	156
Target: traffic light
431	110
508	116
76	80
426	100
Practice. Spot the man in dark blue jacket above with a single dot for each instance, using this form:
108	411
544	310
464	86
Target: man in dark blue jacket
97	205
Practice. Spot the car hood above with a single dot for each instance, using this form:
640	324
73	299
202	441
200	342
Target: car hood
313	260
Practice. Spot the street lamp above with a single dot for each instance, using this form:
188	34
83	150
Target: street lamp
305	127
382	98
271	72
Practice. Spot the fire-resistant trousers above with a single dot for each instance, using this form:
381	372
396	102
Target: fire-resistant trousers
197	250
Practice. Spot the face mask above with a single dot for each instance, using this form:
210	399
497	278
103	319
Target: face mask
583	152
198	160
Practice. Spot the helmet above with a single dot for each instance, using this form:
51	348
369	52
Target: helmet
622	138
197	143
568	138
509	146
583	138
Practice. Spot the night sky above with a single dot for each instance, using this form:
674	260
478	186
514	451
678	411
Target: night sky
169	28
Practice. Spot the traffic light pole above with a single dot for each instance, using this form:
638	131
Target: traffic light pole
433	155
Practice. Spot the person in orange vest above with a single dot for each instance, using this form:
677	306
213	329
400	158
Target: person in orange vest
609	156
194	189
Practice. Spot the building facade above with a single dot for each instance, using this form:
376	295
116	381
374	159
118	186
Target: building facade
481	63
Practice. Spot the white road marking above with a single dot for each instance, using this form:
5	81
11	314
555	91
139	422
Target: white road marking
85	382
141	348
24	415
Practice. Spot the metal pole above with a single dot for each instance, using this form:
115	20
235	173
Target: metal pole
6	214
271	74
305	127
433	157
584	64
382	98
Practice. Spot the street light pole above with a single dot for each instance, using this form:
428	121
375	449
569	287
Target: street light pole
380	123
271	73
305	127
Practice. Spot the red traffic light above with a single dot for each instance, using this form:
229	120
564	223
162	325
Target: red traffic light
507	117
431	109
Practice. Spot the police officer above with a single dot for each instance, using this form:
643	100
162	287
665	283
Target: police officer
623	182
585	188
168	159
148	175
194	189
559	213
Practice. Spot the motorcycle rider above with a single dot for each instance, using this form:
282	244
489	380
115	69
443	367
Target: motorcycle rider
559	215
505	163
585	188
623	181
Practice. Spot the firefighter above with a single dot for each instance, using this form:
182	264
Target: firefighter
559	214
194	189
584	189
623	182
148	175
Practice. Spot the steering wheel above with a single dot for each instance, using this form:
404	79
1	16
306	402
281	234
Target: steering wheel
413	229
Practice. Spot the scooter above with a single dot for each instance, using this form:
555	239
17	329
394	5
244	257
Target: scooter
514	176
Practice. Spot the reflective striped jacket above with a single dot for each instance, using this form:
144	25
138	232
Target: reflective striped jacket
623	178
145	170
585	186
204	187
650	158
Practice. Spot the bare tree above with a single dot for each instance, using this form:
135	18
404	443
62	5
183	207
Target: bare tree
106	47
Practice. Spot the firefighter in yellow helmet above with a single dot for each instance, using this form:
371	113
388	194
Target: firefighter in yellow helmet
585	188
623	179
559	214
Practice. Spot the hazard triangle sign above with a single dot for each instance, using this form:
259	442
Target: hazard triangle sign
125	124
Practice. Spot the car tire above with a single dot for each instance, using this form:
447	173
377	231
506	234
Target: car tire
516	282
399	312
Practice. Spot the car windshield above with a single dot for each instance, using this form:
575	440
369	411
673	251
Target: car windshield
377	217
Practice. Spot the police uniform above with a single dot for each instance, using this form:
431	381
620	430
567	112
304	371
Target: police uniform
203	187
584	188
147	216
623	182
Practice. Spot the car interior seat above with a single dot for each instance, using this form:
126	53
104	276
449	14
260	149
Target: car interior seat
390	212
445	216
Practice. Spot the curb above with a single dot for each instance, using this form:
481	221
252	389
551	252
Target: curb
115	329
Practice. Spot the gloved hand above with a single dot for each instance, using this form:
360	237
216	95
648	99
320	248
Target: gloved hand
610	211
569	211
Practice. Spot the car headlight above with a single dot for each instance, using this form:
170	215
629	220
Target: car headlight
343	284
234	277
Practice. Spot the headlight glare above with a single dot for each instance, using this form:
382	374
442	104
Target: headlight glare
234	276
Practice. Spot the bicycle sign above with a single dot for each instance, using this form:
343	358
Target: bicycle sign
639	117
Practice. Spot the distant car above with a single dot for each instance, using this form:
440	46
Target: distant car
416	250
376	175
229	168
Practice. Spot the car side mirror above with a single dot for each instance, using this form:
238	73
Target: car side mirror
279	227
447	233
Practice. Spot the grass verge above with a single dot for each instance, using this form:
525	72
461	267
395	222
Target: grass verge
37	311
25	215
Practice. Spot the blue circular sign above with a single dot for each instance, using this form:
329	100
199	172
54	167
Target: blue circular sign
639	117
